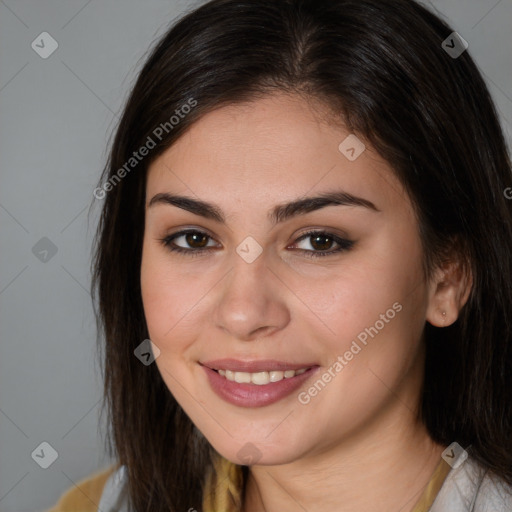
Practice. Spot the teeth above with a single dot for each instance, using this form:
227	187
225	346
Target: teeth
275	376
260	378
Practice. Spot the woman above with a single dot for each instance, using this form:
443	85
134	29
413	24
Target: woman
303	268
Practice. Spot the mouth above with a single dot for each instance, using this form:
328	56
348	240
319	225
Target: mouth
256	383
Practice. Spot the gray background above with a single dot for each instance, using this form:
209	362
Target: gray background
56	115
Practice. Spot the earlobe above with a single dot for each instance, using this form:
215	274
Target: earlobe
440	318
448	293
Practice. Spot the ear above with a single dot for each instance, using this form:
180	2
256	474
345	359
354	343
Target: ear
448	292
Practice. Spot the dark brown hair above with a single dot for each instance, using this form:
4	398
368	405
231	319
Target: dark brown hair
379	66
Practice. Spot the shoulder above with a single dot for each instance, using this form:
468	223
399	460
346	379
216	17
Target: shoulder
472	487
86	495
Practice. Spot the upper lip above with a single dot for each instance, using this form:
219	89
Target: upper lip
262	365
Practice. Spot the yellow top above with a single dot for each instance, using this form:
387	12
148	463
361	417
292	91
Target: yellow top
431	490
86	496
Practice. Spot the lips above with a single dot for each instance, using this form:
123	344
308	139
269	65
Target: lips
256	383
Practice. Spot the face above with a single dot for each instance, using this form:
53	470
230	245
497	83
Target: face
334	286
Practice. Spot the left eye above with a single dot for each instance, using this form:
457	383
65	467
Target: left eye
322	241
197	241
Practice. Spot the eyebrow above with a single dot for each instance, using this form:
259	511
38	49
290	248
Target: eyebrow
279	213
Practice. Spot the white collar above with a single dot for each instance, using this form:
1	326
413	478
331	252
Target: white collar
115	493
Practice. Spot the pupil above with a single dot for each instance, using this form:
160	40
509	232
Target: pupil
323	246
192	236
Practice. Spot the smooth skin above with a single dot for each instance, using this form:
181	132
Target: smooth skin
356	446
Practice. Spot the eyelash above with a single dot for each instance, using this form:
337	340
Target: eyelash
344	244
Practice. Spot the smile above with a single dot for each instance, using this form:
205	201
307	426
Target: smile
260	378
257	388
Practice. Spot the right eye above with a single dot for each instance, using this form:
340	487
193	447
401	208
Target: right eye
195	239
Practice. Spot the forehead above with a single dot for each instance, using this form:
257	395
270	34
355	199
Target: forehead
269	149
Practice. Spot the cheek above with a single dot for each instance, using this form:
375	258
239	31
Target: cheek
167	306
353	297
163	295
374	309
175	299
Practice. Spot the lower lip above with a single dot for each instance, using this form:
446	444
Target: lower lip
253	395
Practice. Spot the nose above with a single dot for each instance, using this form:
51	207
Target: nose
252	301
